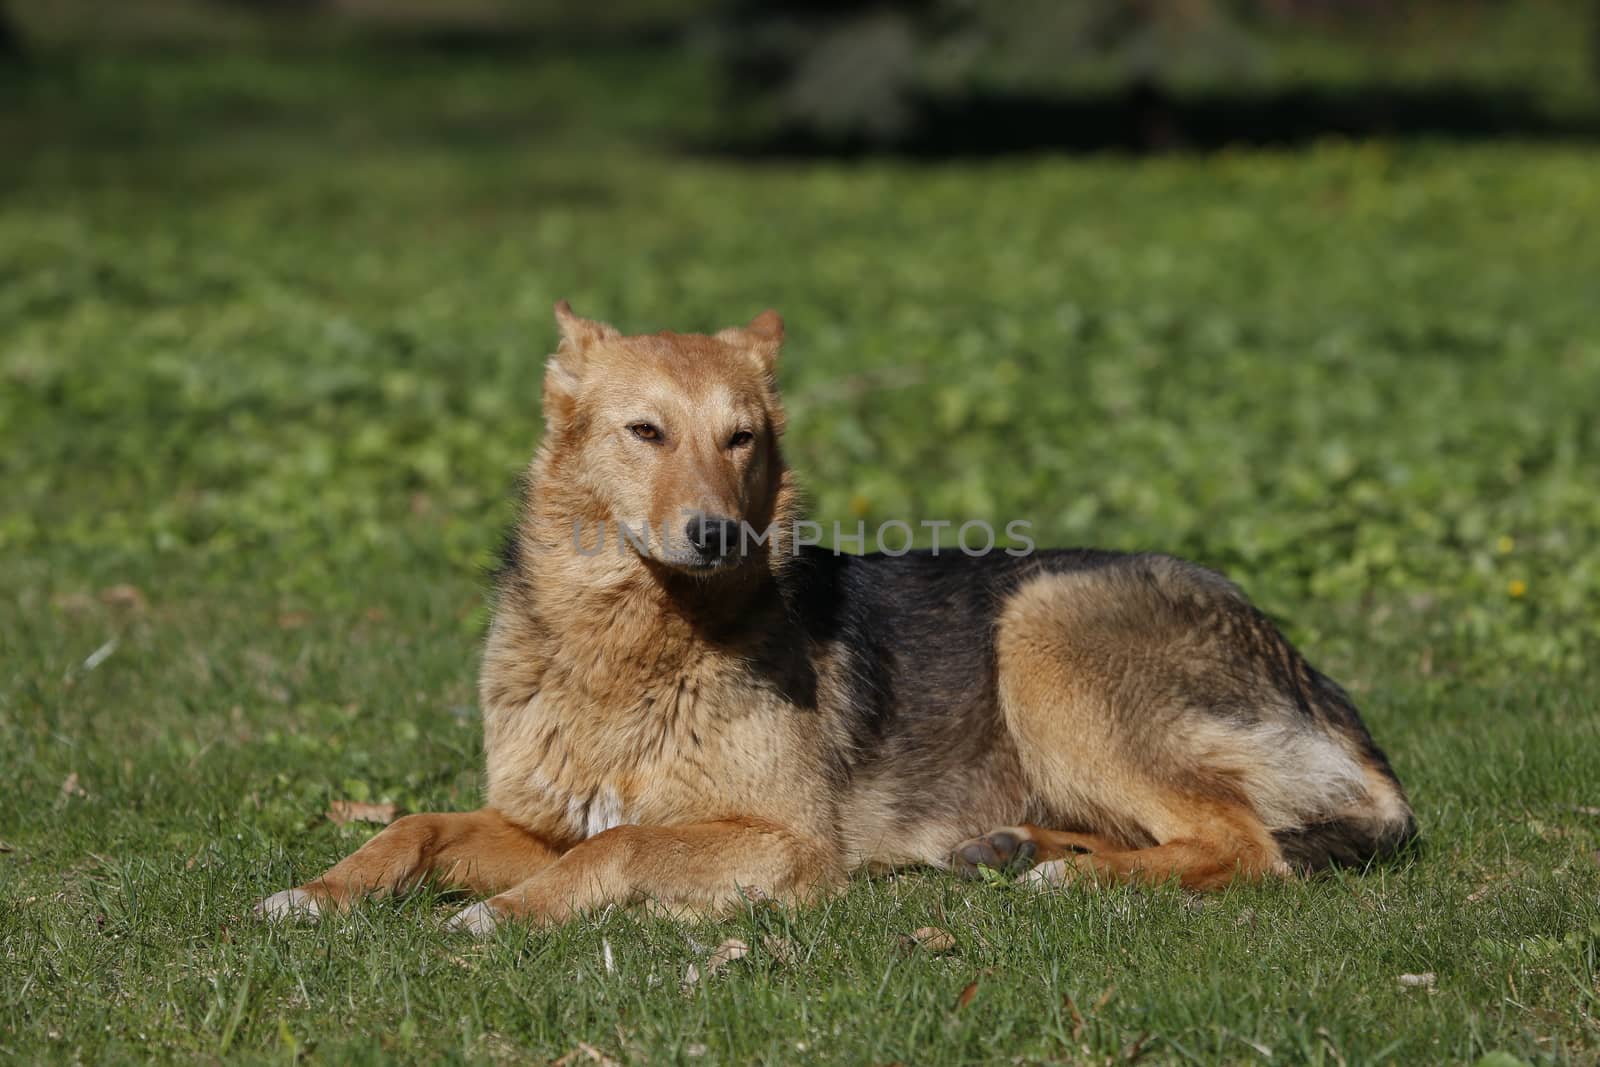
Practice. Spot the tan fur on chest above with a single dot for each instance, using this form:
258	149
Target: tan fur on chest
677	739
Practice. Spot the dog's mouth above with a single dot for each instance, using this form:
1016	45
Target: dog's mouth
688	560
691	562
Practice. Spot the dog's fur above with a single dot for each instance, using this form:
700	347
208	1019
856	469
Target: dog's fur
668	728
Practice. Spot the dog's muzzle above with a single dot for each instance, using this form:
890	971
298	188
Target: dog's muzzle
713	538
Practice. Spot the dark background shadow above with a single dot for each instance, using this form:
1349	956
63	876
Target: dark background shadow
797	80
1147	119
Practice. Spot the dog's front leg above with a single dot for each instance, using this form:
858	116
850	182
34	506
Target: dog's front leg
690	869
481	851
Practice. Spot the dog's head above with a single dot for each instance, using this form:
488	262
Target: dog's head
674	436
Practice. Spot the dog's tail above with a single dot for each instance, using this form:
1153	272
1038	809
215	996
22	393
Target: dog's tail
1377	828
1350	841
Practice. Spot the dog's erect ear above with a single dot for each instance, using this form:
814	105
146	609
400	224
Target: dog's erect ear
565	368
578	332
762	337
578	335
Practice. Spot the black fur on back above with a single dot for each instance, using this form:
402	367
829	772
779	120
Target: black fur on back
915	637
918	630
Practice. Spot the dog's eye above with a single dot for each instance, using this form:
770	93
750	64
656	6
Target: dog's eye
644	431
740	439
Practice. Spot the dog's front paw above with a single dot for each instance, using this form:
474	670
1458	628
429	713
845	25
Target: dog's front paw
479	920
291	905
1051	875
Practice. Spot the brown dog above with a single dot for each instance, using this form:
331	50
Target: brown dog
688	715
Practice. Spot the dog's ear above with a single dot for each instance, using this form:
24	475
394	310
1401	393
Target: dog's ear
762	337
565	369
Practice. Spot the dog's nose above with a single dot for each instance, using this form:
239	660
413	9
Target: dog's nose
712	535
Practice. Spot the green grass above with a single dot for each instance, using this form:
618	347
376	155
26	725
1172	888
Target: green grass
271	334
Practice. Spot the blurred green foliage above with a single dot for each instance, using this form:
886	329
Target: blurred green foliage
260	347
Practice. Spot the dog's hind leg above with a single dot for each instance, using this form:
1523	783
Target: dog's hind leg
1131	722
479	851
1222	842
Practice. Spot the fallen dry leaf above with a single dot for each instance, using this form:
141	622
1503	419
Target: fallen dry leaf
724	954
1425	980
293	620
124	595
967	995
345	811
930	939
5	846
733	949
1078	1024
585	1053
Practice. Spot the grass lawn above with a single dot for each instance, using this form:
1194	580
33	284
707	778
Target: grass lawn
271	333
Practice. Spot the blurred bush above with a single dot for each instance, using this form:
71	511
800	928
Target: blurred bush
10	40
848	71
969	75
883	73
372	24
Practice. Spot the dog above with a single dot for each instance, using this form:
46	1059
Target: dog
697	717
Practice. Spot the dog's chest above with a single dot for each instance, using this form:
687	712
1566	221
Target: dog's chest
568	796
569	773
581	810
704	745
